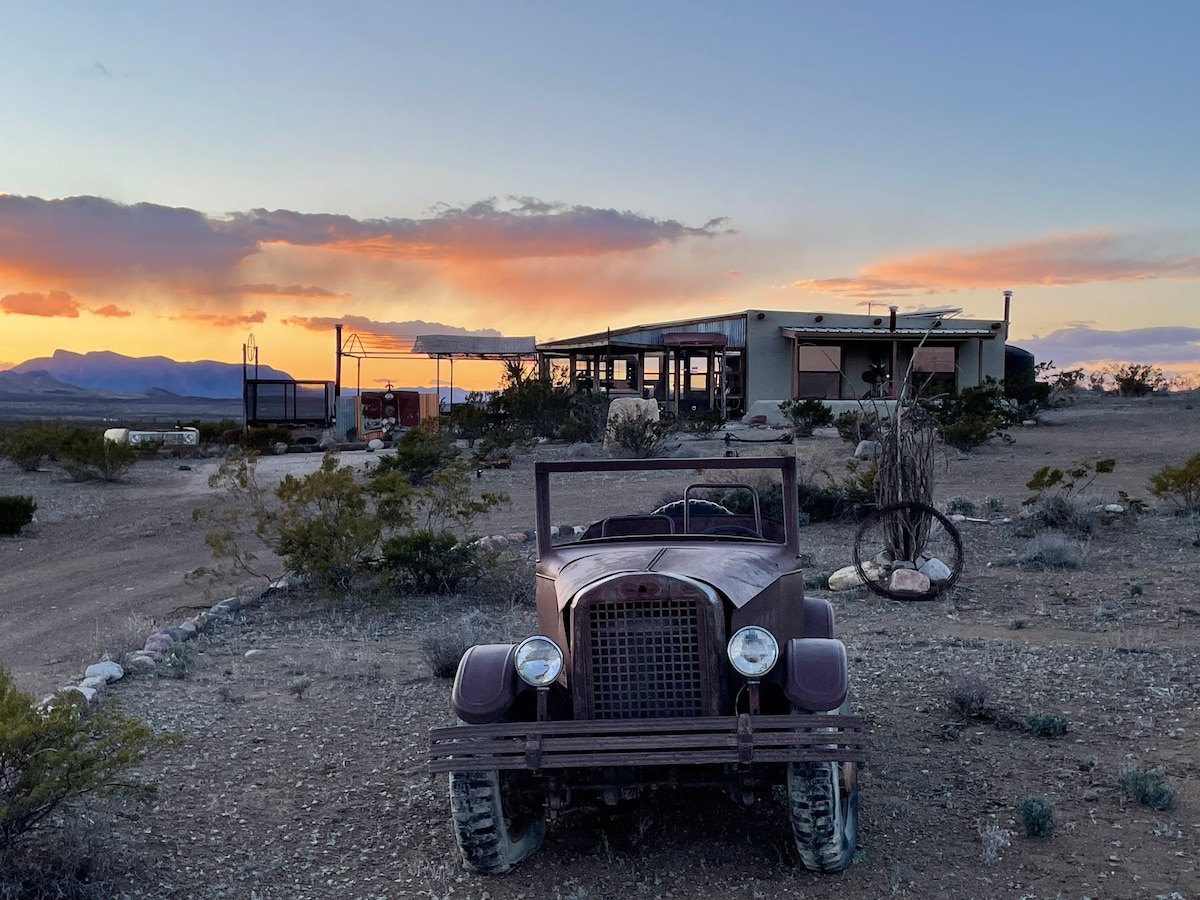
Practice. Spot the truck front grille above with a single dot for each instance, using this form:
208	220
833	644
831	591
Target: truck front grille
647	650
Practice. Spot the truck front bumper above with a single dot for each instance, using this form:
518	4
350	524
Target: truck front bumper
742	740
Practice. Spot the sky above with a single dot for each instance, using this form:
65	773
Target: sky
187	179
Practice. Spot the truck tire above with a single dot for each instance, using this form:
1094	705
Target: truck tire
823	808
492	836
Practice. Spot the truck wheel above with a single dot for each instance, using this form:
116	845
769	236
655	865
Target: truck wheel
823	807
493	834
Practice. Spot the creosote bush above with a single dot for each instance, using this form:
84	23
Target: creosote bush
806	414
87	455
972	698
443	647
638	434
16	511
29	444
1036	815
52	756
1181	484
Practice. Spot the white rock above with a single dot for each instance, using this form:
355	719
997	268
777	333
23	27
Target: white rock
847	577
250	653
107	669
374	444
867	450
935	570
1114	508
89	694
95	683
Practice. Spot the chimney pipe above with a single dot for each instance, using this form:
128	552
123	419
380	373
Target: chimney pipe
337	365
1007	304
892	319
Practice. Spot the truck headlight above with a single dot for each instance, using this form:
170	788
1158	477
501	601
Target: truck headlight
753	651
539	661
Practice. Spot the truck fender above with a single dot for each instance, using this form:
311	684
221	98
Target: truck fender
485	685
814	674
818	618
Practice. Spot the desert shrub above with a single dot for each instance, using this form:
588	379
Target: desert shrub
1050	550
1036	815
962	506
858	425
994	839
702	424
806	414
639	435
29	444
1048	725
329	524
469	419
1057	498
971	698
971	417
1147	786
214	432
528	404
816	581
993	505
432	562
1138	380
420	453
1180	484
739	500
87	456
263	440
443	647
52	756
507	581
16	512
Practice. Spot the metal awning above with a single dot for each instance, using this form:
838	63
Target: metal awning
694	339
804	332
463	346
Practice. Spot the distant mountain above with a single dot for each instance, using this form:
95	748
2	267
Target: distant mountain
103	370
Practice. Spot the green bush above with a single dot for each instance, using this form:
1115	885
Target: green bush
1180	485
420	453
15	513
639	435
263	440
702	424
87	455
432	562
52	756
1037	816
971	417
858	425
469	419
1147	786
1048	725
806	414
29	444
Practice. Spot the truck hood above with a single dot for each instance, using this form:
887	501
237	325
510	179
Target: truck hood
739	573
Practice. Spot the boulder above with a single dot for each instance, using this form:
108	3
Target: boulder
374	444
847	577
867	450
908	581
935	570
107	669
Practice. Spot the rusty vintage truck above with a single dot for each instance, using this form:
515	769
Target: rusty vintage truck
675	647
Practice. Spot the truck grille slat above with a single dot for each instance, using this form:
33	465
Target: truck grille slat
645	648
645	659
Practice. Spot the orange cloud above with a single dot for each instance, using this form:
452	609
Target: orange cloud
220	320
1068	259
50	305
112	311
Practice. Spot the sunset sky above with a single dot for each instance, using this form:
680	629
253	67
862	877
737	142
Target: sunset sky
177	177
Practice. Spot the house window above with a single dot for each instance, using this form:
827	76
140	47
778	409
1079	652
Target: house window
933	369
820	372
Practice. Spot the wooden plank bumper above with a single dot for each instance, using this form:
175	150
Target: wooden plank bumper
742	740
